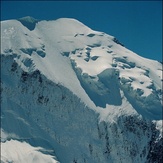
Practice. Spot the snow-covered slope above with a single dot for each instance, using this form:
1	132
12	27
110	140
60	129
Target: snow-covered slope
72	94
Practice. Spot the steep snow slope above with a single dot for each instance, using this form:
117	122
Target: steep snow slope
78	94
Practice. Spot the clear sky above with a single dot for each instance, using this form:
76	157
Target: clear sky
136	24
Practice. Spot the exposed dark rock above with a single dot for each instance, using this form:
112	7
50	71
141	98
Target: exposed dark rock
117	41
29	22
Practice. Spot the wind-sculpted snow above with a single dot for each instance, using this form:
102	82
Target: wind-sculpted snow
73	95
102	89
110	74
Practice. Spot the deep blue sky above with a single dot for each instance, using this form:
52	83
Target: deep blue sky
137	24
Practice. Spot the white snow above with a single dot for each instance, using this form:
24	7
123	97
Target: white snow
113	112
108	79
18	152
91	51
58	37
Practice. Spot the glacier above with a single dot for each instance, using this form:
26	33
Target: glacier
70	94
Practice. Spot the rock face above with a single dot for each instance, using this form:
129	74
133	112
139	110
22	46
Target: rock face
74	95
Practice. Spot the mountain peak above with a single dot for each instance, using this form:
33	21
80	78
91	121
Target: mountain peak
96	58
77	91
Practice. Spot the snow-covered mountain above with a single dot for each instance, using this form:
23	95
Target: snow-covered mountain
70	94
